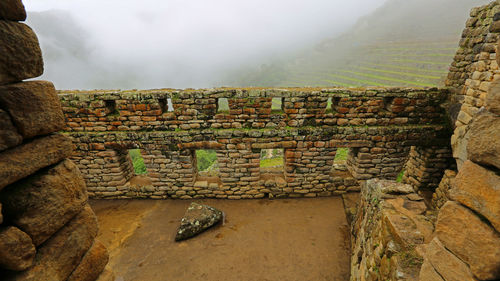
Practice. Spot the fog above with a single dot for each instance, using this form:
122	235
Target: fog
90	44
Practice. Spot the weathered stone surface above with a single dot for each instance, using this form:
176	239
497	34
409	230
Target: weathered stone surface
24	160
62	253
197	219
12	10
42	203
484	145
34	107
21	55
16	249
470	239
92	264
9	136
447	264
428	273
478	189
492	102
106	275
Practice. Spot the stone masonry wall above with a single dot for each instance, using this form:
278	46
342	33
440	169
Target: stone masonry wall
47	228
388	232
379	126
466	244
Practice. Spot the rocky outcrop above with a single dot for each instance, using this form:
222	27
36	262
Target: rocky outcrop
21	55
33	106
197	219
44	202
47	228
92	264
16	249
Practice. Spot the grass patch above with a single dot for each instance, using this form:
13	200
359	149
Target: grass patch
389	78
341	154
400	176
205	158
444	71
400	73
337	83
365	82
138	162
424	62
271	162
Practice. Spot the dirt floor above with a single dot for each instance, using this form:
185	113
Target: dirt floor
289	239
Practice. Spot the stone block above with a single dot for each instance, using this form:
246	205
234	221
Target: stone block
12	10
62	253
16	249
470	239
34	107
21	55
449	266
428	273
483	146
92	264
9	137
24	160
492	102
478	189
42	203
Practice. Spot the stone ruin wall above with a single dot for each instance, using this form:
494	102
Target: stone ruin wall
47	228
391	237
378	125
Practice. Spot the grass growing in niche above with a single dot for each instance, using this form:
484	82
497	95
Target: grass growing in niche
138	162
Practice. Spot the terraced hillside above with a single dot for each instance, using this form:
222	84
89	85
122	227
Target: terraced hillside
403	43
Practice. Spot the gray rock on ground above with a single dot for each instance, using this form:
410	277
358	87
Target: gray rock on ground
197	219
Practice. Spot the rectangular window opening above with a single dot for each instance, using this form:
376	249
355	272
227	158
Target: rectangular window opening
110	107
222	105
272	161
277	105
329	107
166	105
137	162
341	155
206	163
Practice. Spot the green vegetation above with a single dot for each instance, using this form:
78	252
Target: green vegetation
341	154
273	162
223	105
205	158
400	176
137	162
271	158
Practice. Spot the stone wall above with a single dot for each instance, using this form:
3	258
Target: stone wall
388	232
426	165
47	229
379	126
474	69
467	231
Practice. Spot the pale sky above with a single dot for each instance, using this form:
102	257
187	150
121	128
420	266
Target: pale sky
191	43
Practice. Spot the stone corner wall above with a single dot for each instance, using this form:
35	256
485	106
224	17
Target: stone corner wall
47	228
388	232
466	244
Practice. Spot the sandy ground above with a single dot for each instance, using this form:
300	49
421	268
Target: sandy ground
289	239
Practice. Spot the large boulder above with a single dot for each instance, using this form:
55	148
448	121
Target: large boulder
16	249
447	264
492	102
483	146
60	255
9	137
42	203
197	219
472	240
21	55
478	189
92	264
12	10
34	107
24	160
428	273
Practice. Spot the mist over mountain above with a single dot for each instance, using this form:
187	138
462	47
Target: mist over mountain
402	43
178	44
